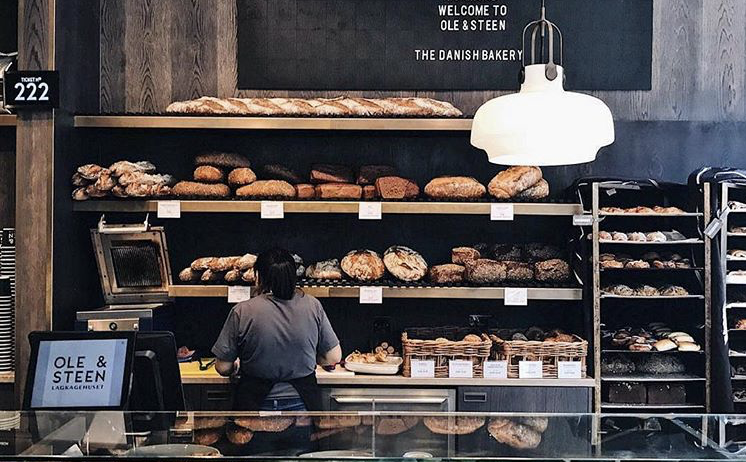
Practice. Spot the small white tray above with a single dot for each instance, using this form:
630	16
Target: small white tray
390	367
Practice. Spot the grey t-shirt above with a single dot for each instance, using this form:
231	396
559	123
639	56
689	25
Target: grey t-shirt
276	339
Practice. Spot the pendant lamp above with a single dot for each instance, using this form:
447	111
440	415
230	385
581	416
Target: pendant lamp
542	124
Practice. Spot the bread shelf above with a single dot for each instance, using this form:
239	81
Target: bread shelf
682	242
655	297
7	120
651	215
341	207
652	352
221	291
735	305
650	406
652	378
271	123
736	234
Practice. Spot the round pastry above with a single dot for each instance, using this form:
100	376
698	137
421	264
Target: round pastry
688	346
404	263
241	177
636	237
664	345
189	275
463	255
656	236
265	424
238	435
446	274
395	425
453	425
208	174
207	437
363	265
513	434
637	264
617	236
646	291
485	271
473	338
640	347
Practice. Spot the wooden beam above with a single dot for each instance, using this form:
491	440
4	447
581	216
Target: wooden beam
34	198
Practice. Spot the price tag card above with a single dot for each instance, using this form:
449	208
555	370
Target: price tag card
169	209
501	212
569	370
369	211
269	413
582	220
529	370
238	294
423	369
371	295
273	210
516	296
460	369
495	369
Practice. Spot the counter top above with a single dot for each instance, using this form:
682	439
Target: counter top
191	375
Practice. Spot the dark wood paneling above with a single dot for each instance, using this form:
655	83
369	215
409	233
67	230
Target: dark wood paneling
698	65
114	61
34	166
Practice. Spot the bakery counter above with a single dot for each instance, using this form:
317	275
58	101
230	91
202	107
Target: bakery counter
533	293
272	123
340	207
191	375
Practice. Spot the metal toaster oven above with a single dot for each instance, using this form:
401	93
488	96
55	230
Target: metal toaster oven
135	274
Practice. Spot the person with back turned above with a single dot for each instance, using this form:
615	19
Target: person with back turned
278	339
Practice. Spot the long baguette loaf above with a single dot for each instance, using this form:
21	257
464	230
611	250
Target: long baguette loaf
340	106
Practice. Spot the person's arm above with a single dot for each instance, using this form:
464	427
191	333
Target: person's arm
226	346
331	357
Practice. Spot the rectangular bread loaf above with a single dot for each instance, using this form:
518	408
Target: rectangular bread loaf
339	191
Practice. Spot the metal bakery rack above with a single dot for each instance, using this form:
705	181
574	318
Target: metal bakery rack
690	312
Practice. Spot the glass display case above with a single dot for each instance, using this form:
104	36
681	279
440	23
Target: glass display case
108	435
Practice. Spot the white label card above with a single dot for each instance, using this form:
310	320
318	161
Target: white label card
582	220
529	370
460	369
423	369
569	370
371	295
516	296
169	209
501	212
369	211
273	209
495	369
238	294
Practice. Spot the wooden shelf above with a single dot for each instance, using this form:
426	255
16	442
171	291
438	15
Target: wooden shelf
221	291
652	378
342	207
651	406
651	215
655	297
7	120
682	242
271	123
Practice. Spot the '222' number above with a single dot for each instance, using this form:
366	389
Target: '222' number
32	87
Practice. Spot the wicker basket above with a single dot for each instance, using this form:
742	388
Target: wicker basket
443	351
549	353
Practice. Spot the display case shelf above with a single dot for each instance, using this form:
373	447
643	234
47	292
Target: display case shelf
221	291
654	378
272	123
7	120
341	207
651	215
682	242
652	352
658	407
654	297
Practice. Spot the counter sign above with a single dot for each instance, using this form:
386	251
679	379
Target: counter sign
32	89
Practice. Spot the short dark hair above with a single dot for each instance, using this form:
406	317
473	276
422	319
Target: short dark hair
277	273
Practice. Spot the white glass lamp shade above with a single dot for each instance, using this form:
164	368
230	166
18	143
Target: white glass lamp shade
542	124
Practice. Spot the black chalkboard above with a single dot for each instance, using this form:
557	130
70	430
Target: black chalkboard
372	44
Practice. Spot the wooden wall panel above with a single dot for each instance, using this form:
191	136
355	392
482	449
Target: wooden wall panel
7	185
185	48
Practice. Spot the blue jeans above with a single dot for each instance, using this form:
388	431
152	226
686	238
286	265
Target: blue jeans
283	404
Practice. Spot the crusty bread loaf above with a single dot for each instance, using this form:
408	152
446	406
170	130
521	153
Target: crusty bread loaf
485	271
363	265
305	191
395	187
328	173
238	435
245	262
241	177
189	275
464	255
513	434
192	188
370	192
455	187
552	270
395	425
326	269
509	183
265	424
208	174
446	274
208	436
221	264
370	173
538	191
203	423
267	188
340	106
202	263
404	263
460	425
281	172
124	166
519	271
339	191
227	160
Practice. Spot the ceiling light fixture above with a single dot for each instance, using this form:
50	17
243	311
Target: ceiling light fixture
542	124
